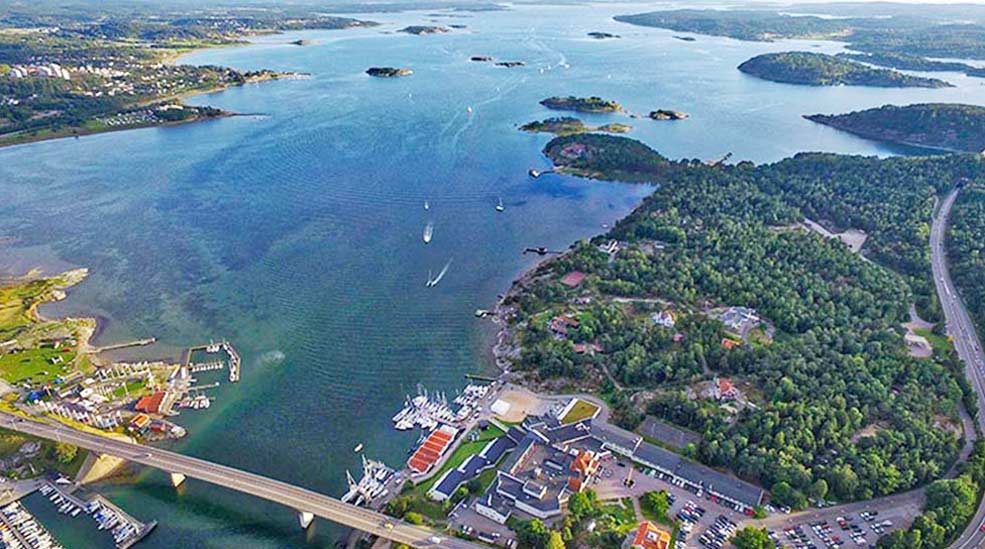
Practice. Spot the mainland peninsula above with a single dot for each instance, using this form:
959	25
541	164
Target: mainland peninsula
947	126
67	76
388	72
568	125
581	104
904	62
818	69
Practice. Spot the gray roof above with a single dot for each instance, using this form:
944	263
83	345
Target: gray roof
614	435
475	464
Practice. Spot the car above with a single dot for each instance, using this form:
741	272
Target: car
982	527
434	539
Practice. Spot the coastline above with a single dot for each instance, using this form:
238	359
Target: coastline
172	58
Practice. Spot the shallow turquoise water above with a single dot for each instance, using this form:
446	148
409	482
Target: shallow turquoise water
297	234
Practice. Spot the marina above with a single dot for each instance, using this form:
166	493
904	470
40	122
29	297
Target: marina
20	530
125	529
373	484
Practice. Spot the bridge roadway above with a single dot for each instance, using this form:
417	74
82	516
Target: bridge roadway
297	498
966	343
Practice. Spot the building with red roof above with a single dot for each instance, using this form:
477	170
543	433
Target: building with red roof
150	404
650	536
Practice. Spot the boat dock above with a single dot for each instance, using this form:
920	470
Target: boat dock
127	530
25	530
233	360
137	343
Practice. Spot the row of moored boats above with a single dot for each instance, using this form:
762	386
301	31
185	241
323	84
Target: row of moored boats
24	528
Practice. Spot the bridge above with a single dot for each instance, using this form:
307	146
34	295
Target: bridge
307	503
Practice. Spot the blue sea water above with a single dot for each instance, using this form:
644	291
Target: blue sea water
296	231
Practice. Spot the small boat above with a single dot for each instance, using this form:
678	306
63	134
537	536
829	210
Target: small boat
428	232
427	206
469	110
432	282
533	173
358	448
499	206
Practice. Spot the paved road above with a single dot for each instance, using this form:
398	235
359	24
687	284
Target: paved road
297	498
966	343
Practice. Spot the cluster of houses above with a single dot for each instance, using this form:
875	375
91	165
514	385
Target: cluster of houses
46	70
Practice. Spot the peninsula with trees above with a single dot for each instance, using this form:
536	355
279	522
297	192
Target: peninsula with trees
818	69
70	75
945	126
714	277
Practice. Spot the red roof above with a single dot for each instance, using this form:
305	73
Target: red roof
430	451
150	403
730	343
649	536
725	385
573	278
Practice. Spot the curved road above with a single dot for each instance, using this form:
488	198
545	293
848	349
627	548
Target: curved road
966	343
295	497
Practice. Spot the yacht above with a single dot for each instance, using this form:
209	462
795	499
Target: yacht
499	206
428	232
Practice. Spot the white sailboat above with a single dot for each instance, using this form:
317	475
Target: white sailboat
499	206
427	205
428	232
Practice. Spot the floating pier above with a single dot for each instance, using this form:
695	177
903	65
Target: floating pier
137	343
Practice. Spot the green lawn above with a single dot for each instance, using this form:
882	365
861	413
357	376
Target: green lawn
35	364
623	516
464	451
581	410
941	344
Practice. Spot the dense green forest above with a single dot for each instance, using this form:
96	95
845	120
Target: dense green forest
581	104
948	126
840	408
923	32
818	69
966	250
904	62
950	505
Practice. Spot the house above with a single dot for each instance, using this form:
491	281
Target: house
723	389
559	325
734	318
590	348
664	319
573	279
729	344
677	338
584	467
649	536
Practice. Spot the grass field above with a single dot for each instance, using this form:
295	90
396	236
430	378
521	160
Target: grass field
35	364
581	410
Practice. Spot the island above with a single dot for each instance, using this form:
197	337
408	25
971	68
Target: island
510	64
581	104
302	42
945	126
421	30
818	69
569	125
602	35
685	38
388	72
664	114
481	58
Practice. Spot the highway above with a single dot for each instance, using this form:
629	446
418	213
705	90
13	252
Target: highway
294	497
966	343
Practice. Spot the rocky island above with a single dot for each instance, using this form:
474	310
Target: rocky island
581	104
510	64
602	35
481	58
818	69
946	126
664	114
609	157
568	125
388	72
421	30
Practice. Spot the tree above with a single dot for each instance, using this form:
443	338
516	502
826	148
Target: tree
752	538
65	452
819	489
414	517
656	503
555	541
